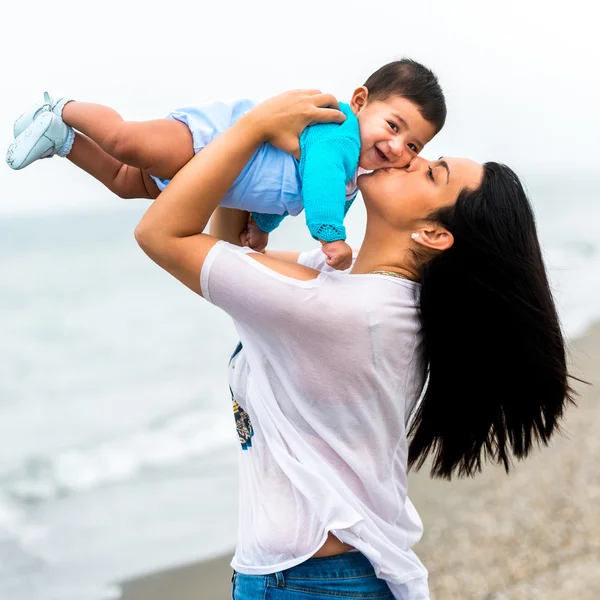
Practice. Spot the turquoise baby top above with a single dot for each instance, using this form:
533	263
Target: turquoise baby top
274	184
329	154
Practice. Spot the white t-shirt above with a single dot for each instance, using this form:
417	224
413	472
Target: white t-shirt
329	372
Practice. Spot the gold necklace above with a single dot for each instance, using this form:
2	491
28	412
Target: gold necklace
390	273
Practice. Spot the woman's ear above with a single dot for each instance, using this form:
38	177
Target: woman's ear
359	99
434	237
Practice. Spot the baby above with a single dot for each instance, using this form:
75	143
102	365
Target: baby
388	121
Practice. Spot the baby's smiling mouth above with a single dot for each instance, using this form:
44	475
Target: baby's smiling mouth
381	155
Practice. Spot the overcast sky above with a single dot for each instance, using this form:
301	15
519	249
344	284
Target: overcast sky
521	78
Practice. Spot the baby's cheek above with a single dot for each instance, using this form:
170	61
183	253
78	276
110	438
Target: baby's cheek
401	162
362	159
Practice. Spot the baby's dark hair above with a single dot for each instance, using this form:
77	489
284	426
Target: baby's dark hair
413	81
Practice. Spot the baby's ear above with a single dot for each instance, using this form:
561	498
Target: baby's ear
359	99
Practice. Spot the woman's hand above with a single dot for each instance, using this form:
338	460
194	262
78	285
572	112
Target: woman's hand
281	119
170	231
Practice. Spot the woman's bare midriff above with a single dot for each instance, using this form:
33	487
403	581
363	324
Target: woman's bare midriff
331	547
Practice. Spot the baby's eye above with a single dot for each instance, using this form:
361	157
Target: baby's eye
393	126
413	148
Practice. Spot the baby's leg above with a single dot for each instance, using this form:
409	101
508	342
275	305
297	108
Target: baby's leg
123	180
161	147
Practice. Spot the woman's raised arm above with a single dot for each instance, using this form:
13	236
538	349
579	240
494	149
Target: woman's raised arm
171	230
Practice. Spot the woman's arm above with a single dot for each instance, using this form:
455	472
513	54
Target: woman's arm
288	256
171	230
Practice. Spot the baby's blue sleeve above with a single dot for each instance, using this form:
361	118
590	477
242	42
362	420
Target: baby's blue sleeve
328	164
268	223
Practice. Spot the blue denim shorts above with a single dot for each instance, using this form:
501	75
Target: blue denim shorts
348	575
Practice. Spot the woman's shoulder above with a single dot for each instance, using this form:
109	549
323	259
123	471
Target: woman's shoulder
316	259
308	286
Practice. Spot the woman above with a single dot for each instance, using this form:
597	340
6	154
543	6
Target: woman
448	286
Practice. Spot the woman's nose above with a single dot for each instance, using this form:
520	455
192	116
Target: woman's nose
416	163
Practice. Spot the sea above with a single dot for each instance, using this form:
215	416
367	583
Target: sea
117	442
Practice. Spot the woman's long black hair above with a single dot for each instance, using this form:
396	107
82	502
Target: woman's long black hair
497	370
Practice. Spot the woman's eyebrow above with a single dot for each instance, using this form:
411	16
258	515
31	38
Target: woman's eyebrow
444	164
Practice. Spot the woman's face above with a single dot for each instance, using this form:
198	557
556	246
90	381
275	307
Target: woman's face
403	197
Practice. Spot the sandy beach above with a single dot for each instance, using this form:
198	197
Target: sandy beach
534	533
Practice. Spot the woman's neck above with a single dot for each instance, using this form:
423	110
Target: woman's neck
385	253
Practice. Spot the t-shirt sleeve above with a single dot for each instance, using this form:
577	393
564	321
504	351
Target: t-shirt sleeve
267	222
256	296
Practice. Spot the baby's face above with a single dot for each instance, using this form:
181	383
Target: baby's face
392	132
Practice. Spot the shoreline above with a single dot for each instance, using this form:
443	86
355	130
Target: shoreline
531	534
206	579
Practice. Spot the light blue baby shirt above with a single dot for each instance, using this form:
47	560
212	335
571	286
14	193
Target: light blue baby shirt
274	184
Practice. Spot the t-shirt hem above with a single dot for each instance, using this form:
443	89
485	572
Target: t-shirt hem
416	576
292	562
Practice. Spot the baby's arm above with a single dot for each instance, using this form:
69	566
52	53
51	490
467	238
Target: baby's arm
327	166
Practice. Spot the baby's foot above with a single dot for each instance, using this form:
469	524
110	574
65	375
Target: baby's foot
46	136
254	237
48	104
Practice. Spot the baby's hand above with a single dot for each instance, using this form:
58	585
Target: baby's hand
339	254
254	237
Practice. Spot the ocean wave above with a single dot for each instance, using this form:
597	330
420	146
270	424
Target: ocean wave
18	539
175	441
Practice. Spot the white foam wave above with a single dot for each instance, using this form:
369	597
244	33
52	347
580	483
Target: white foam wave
179	439
18	539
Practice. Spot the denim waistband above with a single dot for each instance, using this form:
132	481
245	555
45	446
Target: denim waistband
346	565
